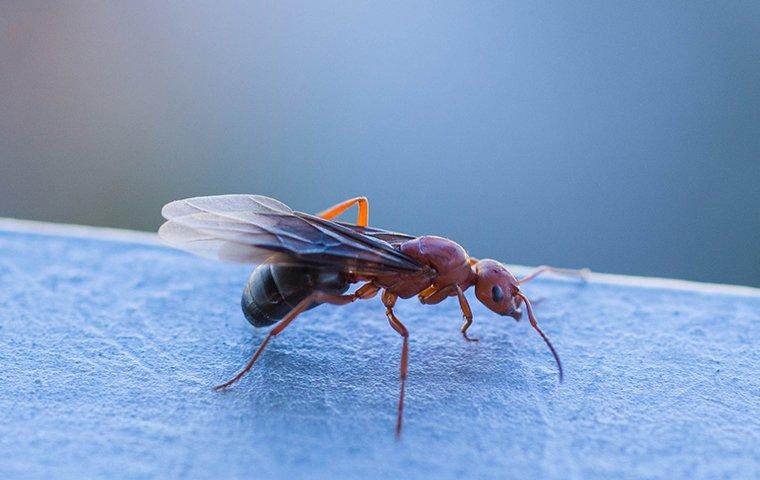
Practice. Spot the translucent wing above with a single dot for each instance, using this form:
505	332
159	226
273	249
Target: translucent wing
253	228
394	238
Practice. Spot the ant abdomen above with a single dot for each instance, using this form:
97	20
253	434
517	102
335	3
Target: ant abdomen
273	290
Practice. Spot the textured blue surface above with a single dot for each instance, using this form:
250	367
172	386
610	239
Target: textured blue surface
109	349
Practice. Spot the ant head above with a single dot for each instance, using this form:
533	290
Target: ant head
497	288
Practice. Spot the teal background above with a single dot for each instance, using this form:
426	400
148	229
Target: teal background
622	136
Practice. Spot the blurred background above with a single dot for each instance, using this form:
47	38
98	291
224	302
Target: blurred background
622	136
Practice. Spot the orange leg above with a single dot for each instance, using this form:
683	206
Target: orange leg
423	295
431	296
389	300
466	313
582	273
362	202
366	291
318	297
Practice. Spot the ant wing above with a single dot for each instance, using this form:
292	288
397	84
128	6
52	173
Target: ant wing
394	238
253	229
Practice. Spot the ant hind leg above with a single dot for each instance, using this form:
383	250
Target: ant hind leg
363	216
318	297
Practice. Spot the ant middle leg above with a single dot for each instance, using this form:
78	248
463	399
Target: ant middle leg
389	300
363	216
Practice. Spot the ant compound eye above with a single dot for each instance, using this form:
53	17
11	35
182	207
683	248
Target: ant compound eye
497	293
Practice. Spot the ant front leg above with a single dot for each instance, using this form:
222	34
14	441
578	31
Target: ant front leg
363	204
466	313
582	273
366	291
431	296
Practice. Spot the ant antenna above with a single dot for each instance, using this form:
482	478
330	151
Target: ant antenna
534	324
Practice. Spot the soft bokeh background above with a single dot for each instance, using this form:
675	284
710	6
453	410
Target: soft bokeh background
623	136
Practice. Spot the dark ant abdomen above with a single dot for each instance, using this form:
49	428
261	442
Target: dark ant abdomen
273	290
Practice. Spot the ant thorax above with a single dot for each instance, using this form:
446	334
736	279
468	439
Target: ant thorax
449	260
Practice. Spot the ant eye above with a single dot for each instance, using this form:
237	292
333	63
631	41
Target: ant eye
497	293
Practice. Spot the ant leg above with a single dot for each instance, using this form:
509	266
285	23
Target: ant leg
426	293
366	291
389	300
582	273
431	296
318	297
300	307
363	204
466	313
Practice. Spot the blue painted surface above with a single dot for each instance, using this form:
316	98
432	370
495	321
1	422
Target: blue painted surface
109	349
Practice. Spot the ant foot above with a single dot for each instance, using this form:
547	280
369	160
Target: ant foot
470	339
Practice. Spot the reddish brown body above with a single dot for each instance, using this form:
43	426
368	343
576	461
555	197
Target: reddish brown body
448	265
261	230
